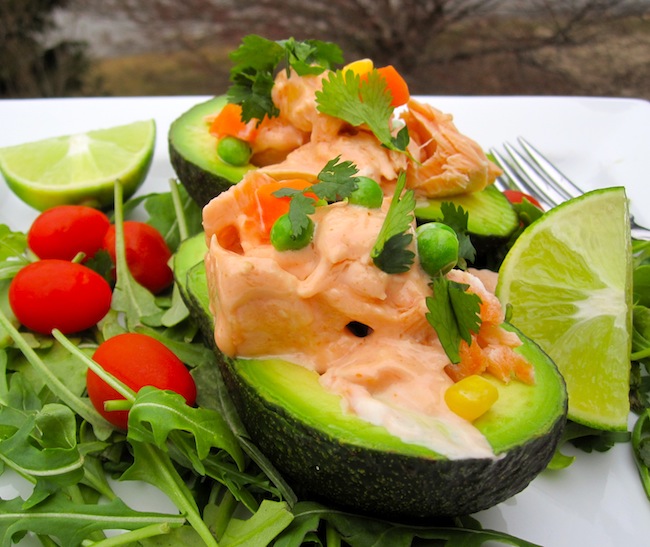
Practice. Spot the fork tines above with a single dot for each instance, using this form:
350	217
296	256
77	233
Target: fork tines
531	173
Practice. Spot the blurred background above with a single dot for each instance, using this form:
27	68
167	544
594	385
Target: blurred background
56	48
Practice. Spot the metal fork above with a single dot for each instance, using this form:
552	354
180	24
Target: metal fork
530	172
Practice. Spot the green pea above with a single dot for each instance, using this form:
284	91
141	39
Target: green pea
234	151
437	246
283	239
368	193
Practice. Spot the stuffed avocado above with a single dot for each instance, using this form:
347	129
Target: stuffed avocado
332	455
367	363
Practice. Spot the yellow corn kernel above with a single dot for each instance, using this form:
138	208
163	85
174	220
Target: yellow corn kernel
359	67
471	397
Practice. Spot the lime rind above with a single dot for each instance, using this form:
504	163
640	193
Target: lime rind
80	168
567	280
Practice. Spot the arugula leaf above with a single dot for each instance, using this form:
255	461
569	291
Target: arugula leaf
268	521
49	459
390	252
175	225
346	96
641	449
13	246
360	531
154	466
453	314
72	522
156	414
135	302
256	61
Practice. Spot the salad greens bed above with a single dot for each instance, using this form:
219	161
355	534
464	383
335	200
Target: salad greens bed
225	490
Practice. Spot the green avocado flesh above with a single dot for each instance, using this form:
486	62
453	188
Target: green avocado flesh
330	455
193	154
490	212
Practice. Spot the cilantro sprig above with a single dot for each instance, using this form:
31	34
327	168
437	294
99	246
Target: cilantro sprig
256	62
456	218
453	314
346	96
390	252
336	181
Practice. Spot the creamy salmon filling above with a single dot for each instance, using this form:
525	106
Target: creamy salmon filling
299	141
329	308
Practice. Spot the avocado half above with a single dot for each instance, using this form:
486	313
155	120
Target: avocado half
193	153
333	456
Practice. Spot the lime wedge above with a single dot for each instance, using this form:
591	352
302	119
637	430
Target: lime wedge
80	168
568	279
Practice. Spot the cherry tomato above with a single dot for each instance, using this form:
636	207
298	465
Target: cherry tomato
137	360
147	254
65	230
515	196
53	293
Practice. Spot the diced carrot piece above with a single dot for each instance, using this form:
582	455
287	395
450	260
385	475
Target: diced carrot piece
397	86
228	123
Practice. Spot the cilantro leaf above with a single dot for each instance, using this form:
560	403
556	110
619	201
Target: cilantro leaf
453	314
336	181
300	207
395	257
256	61
310	56
344	95
390	252
457	218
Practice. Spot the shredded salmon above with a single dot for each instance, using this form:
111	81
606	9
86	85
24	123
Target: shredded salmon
448	162
493	348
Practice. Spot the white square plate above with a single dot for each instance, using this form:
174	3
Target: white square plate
596	142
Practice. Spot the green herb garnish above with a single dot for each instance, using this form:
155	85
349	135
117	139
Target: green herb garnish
336	181
256	61
457	218
346	96
390	252
453	314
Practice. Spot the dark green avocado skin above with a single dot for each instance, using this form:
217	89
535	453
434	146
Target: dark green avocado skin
378	482
201	185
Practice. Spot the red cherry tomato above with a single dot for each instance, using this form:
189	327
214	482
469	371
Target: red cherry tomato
137	360
515	196
147	254
64	231
53	293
